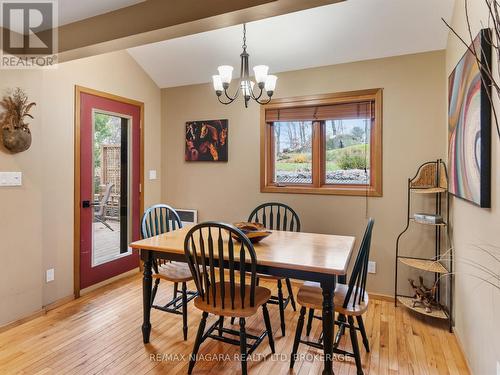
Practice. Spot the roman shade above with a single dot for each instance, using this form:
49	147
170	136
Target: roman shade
342	111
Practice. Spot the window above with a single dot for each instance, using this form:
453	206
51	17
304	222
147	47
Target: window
293	152
325	144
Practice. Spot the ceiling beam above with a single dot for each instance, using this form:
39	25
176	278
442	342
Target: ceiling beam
156	20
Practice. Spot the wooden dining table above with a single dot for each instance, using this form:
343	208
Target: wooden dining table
296	255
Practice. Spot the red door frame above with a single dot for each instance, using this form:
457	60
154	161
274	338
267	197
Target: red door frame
85	100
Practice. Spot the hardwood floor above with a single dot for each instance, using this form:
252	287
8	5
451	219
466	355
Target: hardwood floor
100	334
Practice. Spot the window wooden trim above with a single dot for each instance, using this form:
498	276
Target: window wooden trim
317	187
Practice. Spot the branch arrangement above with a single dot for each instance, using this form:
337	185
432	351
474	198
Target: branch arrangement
16	108
487	70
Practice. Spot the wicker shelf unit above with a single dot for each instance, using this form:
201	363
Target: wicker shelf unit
408	303
424	264
434	190
422	223
431	178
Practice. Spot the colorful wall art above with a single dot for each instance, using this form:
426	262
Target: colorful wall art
469	126
206	140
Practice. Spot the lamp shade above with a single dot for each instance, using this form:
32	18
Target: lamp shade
225	73
217	81
260	72
270	82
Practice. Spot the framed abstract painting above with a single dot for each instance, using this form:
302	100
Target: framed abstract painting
206	140
469	126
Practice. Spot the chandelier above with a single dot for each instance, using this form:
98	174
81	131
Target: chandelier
265	82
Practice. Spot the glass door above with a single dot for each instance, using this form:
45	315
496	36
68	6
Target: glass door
111	153
109	187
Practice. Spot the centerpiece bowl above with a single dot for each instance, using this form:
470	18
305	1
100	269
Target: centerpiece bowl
254	231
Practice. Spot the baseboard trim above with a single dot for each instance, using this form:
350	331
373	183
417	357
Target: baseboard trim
62	301
381	297
85	291
44	310
461	347
59	302
22	320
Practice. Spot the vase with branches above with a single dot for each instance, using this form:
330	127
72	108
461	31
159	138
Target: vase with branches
16	134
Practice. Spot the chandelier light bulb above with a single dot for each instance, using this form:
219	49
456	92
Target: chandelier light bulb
260	72
217	81
225	73
270	84
247	88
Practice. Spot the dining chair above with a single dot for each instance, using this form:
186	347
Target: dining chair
159	219
277	216
221	258
350	300
100	207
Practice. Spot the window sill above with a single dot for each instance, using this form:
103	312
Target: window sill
350	190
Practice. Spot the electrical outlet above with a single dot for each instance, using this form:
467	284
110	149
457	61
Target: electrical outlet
372	267
49	275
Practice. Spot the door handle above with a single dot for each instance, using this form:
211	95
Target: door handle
87	204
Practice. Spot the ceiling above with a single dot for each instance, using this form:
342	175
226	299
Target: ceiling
76	10
350	31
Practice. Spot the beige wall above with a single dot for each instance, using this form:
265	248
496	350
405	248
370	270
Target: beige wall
477	305
36	220
413	132
21	288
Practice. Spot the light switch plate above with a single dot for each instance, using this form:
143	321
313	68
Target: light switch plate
11	178
50	275
152	174
498	367
372	267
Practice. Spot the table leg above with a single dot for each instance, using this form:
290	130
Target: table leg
147	284
328	288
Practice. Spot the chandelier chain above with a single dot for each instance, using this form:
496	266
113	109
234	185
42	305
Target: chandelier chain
244	36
